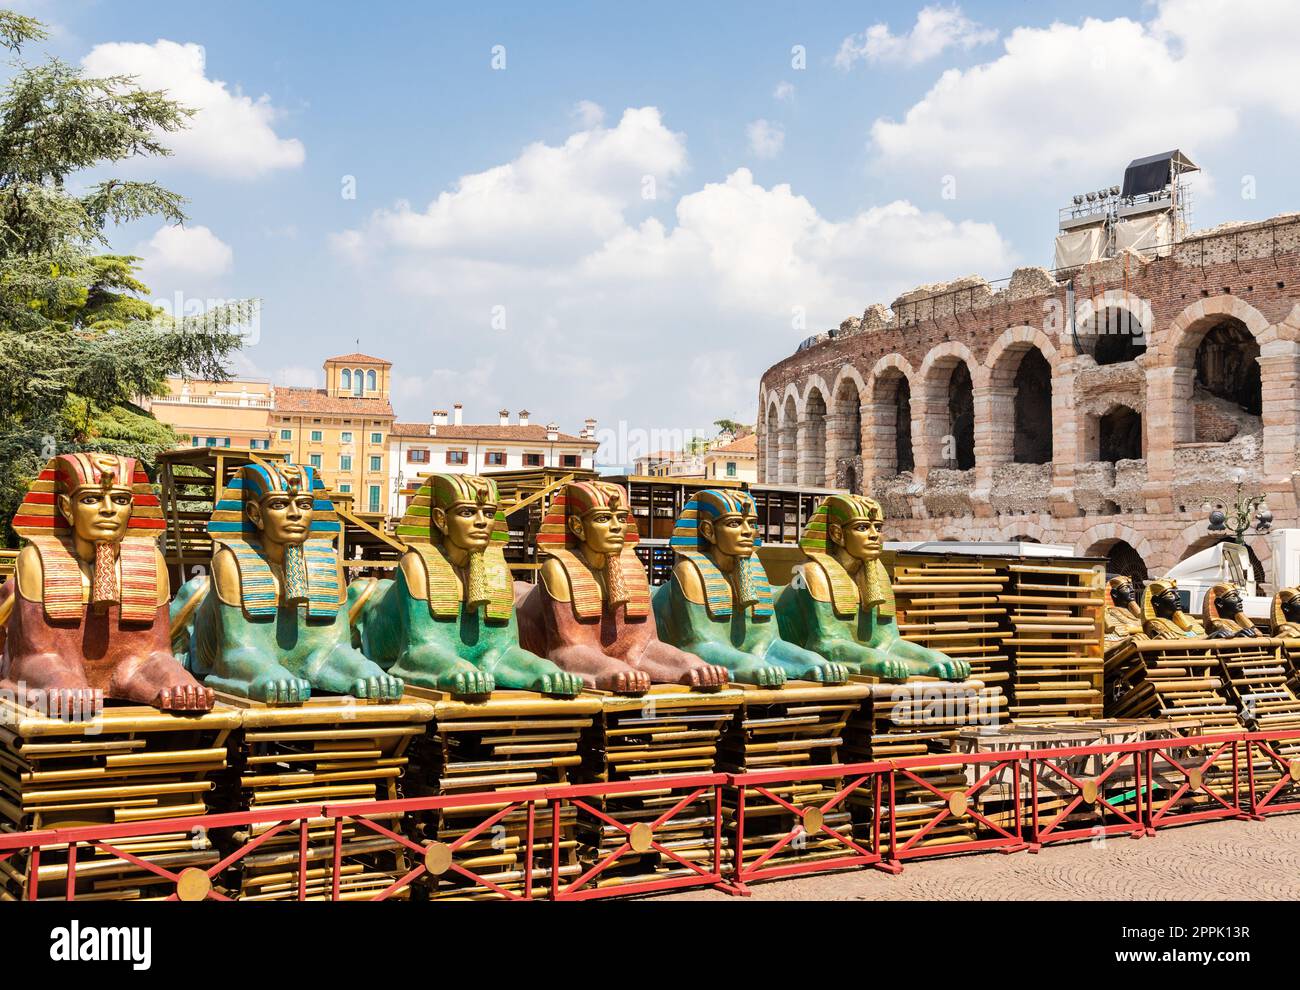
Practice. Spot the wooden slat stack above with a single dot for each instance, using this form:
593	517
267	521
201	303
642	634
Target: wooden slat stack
1177	680
951	604
1055	608
670	731
132	764
331	749
513	740
1256	674
920	718
796	726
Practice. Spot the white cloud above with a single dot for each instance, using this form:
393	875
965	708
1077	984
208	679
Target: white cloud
1069	100
936	30
588	114
193	251
231	135
784	91
610	296
766	139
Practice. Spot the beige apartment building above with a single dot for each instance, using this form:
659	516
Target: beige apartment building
217	414
342	429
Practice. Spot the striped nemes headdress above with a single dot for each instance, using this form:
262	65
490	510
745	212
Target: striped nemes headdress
40	521
1284	597
714	504
1153	591
1209	607
877	591
491	585
312	572
625	578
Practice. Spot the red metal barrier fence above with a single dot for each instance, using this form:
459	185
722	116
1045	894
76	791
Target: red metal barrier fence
1009	801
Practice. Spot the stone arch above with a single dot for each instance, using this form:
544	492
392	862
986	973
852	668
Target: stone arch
771	437
1114	326
1187	328
787	459
1035	532
889	419
812	435
1021	365
947	382
844	460
1103	534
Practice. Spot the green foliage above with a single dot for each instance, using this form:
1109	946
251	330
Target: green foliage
731	426
78	342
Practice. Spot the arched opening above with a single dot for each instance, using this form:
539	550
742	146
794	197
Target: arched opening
772	446
358	381
345	380
1119	435
844	437
371	381
1227	365
1025	538
1122	560
812	456
1113	335
1033	409
891	424
960	441
789	464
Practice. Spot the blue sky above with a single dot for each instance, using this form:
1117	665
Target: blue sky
501	247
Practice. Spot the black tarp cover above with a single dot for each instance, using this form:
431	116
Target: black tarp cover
1151	174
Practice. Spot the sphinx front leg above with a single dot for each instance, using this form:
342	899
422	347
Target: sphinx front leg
53	685
806	665
668	665
600	671
930	663
440	668
744	668
250	673
865	660
159	680
514	667
344	670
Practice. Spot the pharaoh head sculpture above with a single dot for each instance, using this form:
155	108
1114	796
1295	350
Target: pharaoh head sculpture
592	517
1121	591
280	510
1222	601
1162	600
1286	606
718	524
850	525
457	519
98	504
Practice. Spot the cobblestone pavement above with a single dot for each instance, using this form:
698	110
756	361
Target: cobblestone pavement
1206	861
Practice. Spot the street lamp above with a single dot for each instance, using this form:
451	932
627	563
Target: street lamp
1237	519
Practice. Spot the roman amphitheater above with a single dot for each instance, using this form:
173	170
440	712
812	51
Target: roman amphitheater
1107	406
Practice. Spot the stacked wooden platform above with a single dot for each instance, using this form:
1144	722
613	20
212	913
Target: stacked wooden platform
669	732
923	717
131	764
798	726
331	749
1178	680
1258	676
513	740
1055	609
952	604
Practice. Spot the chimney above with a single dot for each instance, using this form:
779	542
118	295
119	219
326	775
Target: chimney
552	431
455	413
523	417
505	417
440	417
589	429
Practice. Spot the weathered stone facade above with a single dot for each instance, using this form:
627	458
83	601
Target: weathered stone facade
1145	433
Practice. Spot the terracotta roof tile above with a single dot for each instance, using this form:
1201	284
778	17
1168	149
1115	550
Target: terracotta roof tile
745	445
360	358
485	431
316	400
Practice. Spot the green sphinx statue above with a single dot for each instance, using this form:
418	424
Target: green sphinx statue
275	623
447	621
840	603
718	604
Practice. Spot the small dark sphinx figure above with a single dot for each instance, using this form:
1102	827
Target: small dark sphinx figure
1223	613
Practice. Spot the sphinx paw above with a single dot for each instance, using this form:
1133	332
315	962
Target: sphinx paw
829	673
68	704
627	682
382	687
894	669
560	683
280	691
769	677
706	676
953	669
185	698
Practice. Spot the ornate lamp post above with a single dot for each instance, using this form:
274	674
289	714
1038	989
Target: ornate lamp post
1238	519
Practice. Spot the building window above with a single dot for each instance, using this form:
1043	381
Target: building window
345	379
374	498
377	463
286	434
418	456
376	438
372	384
225	441
569	460
194	441
457	457
346	437
315	460
316	436
345	462
358	382
495	458
731	469
345	489
533	460
211	441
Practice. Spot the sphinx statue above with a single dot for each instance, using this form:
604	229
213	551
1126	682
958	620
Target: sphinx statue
1222	613
840	603
1286	613
1123	615
274	625
590	611
1163	616
718	604
88	603
447	620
